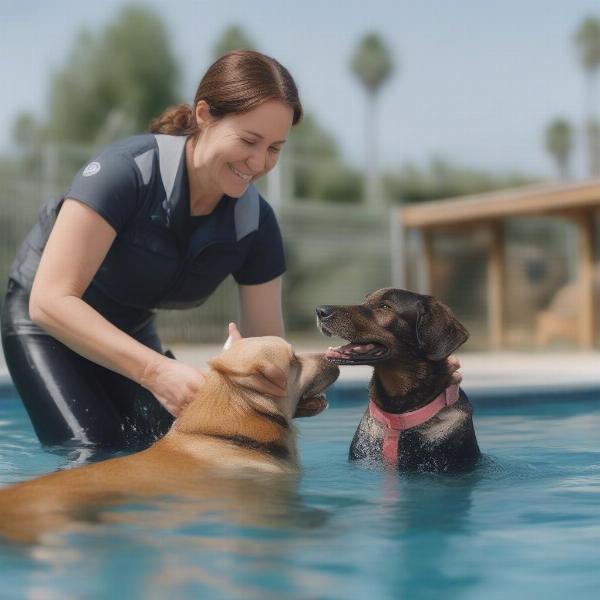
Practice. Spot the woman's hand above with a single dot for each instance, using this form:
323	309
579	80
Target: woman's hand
174	384
234	336
453	366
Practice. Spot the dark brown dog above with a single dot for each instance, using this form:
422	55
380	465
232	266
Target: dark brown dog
407	338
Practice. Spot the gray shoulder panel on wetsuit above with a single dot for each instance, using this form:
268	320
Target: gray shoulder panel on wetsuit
170	151
247	213
144	162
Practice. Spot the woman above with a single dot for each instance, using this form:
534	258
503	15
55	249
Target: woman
154	221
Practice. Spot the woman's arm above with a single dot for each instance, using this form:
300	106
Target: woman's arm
260	309
78	243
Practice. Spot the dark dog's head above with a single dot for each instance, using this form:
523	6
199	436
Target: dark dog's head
391	324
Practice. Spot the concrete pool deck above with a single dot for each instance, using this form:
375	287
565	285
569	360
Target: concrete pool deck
481	370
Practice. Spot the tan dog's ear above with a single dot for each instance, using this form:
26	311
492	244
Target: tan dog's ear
439	332
263	377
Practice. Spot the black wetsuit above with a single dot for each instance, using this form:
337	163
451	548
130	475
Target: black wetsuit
159	259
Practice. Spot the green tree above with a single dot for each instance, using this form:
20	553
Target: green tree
587	41
311	163
372	65
314	167
233	38
559	145
443	179
115	82
28	135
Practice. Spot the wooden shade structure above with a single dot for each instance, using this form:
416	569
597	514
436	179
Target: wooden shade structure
575	202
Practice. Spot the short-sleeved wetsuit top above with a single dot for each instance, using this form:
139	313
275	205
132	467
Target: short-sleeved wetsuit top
160	257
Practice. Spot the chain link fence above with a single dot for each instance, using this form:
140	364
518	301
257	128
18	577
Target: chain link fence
336	252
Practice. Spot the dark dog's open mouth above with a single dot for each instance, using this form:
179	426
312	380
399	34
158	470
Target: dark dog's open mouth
311	406
357	354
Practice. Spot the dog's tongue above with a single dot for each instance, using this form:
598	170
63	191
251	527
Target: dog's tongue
348	350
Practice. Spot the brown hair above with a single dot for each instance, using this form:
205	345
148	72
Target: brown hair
235	83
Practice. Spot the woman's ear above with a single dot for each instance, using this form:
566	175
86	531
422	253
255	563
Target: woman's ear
202	113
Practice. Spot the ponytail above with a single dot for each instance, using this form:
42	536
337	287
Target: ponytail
176	120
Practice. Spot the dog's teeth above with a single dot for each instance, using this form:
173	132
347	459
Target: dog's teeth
364	348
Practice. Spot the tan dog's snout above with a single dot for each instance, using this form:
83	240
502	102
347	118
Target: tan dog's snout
316	374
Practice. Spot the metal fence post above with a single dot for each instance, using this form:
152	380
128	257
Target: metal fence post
397	248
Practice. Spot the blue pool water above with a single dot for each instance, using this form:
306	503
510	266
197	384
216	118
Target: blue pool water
525	524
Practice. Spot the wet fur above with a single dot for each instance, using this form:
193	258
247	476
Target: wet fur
230	430
419	333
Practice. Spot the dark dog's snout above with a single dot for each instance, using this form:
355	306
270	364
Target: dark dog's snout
324	311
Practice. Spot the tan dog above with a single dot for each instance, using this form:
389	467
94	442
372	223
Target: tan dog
229	430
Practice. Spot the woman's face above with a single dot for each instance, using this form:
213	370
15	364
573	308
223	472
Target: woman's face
235	150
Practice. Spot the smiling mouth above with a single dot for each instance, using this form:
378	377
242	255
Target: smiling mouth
354	353
357	354
242	176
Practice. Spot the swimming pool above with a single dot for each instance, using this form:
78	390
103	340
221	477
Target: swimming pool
525	524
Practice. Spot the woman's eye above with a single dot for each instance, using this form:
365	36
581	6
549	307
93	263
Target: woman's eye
275	149
249	142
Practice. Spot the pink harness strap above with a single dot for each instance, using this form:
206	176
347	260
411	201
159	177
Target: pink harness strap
395	424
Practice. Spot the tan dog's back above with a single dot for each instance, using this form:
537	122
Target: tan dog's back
229	430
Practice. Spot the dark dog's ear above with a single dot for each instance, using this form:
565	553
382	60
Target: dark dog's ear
439	332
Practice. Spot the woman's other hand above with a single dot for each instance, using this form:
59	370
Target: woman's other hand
174	384
453	367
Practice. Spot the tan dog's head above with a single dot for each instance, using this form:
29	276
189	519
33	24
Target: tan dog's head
268	367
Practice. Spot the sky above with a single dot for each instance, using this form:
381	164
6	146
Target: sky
475	81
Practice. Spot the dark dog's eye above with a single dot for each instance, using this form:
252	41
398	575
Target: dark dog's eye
386	307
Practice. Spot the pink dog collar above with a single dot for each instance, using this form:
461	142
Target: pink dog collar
395	424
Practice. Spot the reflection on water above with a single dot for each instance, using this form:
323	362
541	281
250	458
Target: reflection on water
524	524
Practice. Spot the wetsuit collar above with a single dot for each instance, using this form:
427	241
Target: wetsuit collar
231	220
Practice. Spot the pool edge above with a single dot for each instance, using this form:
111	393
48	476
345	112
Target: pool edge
356	392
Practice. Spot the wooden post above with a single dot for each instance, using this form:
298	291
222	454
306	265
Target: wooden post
428	284
495	285
397	249
585	279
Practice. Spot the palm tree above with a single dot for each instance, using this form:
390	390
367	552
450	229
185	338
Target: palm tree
587	40
372	64
559	145
233	38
